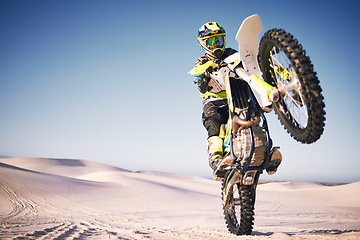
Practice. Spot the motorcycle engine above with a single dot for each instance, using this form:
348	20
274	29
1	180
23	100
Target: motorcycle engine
242	146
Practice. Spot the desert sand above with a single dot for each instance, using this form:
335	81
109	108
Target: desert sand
78	199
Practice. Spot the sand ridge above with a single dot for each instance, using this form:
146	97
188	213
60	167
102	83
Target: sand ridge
77	199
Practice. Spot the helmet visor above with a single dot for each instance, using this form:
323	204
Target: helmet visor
215	42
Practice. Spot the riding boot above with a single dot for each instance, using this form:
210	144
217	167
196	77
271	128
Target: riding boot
215	150
275	160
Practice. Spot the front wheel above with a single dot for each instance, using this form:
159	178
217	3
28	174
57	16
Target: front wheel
284	64
238	206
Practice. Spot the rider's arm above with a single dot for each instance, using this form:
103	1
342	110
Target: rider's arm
202	80
199	79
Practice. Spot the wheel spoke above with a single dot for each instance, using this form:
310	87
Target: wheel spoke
287	80
236	201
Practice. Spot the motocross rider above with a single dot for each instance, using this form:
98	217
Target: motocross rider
211	37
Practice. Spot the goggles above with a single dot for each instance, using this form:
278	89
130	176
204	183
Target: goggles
215	42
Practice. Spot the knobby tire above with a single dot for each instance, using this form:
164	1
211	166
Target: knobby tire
239	221
310	92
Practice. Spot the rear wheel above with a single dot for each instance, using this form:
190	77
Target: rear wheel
238	206
285	65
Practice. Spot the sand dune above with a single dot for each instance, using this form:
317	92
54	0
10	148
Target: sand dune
77	199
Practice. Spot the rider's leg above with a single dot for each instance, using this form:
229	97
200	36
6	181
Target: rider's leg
215	113
215	151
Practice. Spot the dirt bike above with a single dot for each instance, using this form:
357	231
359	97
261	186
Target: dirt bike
273	75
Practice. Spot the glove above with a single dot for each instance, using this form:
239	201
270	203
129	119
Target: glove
199	79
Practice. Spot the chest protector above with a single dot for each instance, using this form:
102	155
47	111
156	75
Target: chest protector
217	80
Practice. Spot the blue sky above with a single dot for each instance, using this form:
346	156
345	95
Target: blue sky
107	81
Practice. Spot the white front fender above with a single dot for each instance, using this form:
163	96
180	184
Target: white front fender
248	39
